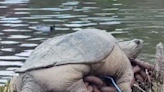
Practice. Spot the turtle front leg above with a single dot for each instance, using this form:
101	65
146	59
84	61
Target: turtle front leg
124	82
78	86
29	84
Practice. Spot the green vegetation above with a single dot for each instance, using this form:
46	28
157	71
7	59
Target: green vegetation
5	88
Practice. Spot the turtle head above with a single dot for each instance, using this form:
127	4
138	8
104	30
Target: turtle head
131	48
52	27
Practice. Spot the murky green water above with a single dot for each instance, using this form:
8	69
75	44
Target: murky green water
126	19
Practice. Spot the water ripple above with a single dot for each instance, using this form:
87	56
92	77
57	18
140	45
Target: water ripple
18	36
7	73
3	7
15	25
37	39
16	30
71	3
99	18
79	25
14	1
110	23
11	58
9	42
28	45
26	53
17	13
45	9
89	3
9	63
7	49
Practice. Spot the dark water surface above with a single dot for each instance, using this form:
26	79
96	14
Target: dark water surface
126	19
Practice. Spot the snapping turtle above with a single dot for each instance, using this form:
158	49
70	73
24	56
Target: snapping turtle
60	63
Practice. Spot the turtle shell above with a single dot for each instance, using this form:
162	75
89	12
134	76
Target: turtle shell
85	46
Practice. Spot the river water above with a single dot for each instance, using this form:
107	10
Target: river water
126	19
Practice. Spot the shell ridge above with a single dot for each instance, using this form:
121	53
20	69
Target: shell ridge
90	38
73	60
61	58
108	43
100	43
54	51
93	37
43	55
82	52
33	63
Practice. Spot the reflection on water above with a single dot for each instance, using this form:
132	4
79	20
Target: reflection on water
126	19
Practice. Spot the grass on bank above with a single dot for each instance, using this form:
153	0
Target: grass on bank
5	88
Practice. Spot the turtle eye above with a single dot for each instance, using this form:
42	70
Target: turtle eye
137	41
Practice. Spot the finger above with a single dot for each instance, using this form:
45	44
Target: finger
86	84
90	88
95	89
108	89
95	80
143	64
138	77
143	74
150	73
136	69
132	82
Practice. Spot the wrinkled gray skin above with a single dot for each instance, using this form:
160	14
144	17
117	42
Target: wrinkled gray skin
131	48
27	83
